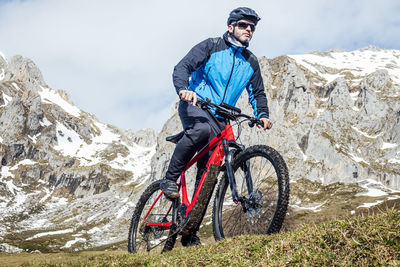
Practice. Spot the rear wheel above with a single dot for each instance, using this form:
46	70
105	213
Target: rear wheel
143	237
265	195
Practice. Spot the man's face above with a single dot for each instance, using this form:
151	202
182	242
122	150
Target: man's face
242	34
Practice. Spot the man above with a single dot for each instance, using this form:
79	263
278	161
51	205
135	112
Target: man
218	69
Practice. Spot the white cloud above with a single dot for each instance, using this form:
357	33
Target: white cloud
115	58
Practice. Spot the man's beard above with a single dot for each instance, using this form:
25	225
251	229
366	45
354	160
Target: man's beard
243	42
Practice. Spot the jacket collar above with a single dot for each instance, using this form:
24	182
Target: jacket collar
232	41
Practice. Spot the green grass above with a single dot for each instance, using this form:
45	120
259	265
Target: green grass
372	240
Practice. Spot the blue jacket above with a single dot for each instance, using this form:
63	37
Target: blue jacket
220	71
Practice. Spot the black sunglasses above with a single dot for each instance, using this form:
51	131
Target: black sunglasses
244	25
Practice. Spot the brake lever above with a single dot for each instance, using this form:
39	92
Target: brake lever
256	121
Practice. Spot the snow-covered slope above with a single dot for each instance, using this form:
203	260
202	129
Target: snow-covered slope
354	65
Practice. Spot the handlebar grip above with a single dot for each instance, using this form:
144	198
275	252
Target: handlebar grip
254	122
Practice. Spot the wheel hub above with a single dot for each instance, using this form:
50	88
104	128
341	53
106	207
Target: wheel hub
254	204
158	230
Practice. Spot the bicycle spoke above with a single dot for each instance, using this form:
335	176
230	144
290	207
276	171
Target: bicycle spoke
255	215
151	208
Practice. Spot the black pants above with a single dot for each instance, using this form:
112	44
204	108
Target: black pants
199	128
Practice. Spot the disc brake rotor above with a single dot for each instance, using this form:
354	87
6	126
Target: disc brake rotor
254	204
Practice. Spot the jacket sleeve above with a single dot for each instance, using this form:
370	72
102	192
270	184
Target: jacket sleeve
257	97
196	56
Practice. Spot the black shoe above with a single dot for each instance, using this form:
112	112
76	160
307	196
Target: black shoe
169	188
190	240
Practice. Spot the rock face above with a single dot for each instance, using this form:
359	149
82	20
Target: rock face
336	116
53	154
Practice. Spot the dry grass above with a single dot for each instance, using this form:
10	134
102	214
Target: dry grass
372	240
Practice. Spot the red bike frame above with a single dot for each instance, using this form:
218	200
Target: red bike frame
215	159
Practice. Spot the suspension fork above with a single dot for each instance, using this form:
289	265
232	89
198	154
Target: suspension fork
229	171
249	180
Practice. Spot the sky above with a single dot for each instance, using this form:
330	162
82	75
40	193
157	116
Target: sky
115	58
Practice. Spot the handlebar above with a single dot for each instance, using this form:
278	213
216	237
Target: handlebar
228	112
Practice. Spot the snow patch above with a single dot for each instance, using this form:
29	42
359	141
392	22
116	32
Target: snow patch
320	111
374	188
137	161
39	224
56	202
91	218
94	230
11	187
357	159
368	205
60	232
4	247
22	162
34	138
354	95
303	155
72	242
51	97
313	208
45	122
394	161
16	86
365	134
5	172
7	99
314	193
48	193
122	211
99	143
69	141
388	145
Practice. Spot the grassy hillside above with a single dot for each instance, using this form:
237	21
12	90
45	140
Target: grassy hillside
359	240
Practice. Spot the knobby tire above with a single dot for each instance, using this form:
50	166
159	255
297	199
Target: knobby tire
135	236
271	197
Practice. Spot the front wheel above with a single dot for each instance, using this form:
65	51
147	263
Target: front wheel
152	207
262	181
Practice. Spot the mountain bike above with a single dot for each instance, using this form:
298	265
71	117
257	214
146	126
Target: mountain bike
256	202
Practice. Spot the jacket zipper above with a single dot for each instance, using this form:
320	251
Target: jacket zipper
207	76
230	76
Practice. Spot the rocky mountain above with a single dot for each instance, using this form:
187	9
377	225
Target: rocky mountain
61	168
70	182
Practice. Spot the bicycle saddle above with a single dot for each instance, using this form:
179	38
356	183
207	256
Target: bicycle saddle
175	138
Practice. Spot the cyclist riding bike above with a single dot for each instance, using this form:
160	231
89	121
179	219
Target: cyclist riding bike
218	69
